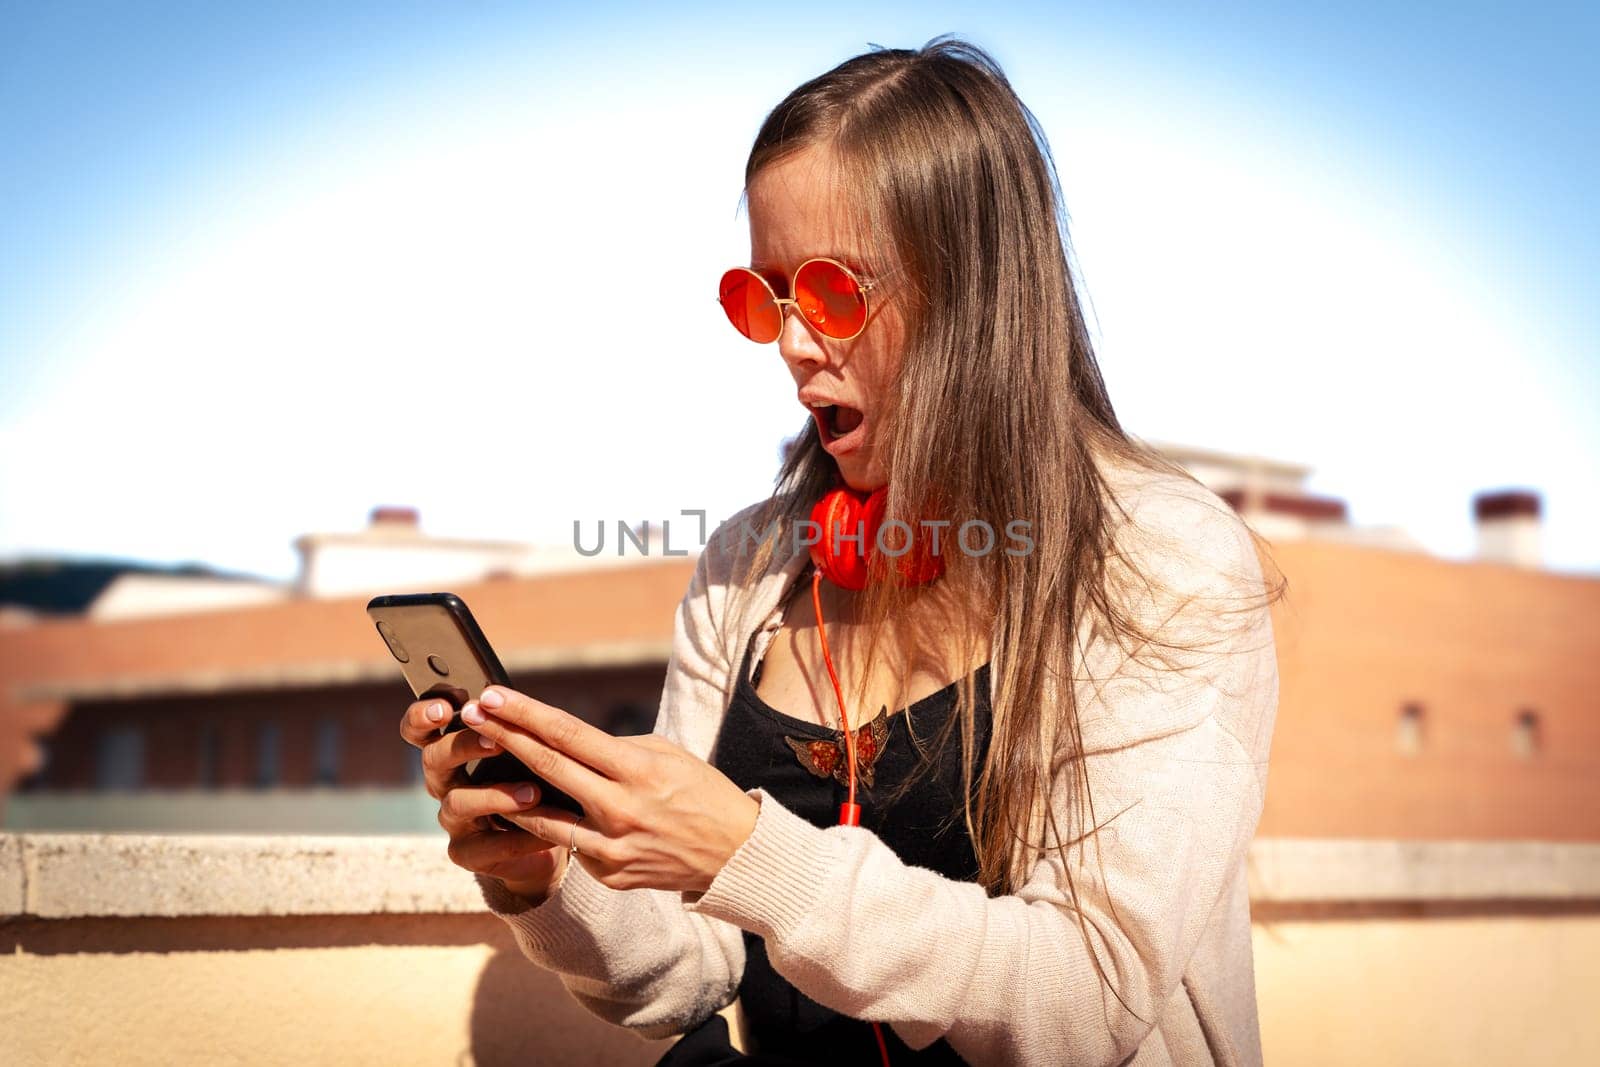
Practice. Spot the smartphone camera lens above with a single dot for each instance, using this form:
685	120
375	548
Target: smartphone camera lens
393	642
440	667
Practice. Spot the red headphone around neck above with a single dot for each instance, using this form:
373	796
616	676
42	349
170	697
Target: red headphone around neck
849	521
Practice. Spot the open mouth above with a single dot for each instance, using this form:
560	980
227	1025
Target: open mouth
836	421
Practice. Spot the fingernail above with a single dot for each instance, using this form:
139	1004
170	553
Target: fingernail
436	712
472	713
491	699
524	794
485	740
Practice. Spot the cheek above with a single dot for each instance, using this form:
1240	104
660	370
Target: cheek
882	355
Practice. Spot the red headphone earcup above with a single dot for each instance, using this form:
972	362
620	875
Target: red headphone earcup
838	552
872	510
921	564
914	565
849	524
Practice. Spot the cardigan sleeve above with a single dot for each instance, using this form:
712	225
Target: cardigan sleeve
636	957
1176	764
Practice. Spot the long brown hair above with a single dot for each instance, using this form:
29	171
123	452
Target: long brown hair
999	413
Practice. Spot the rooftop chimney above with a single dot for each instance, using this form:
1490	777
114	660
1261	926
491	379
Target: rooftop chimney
1299	505
391	517
1508	527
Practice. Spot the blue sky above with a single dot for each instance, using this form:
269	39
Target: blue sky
246	254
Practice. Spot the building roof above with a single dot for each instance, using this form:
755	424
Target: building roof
568	618
65	586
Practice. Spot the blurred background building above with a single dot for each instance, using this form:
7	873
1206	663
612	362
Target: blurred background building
1421	698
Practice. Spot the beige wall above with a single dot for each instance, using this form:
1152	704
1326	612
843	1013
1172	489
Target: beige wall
134	949
454	990
1499	989
431	990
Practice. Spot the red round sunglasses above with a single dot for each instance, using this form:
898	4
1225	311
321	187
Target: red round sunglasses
827	293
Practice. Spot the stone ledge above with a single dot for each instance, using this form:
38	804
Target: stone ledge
1298	870
12	884
51	875
172	875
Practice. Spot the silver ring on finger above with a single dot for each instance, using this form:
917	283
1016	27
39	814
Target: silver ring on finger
572	842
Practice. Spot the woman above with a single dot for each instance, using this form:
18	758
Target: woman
1048	863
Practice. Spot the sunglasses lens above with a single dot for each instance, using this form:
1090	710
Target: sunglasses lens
829	296
748	302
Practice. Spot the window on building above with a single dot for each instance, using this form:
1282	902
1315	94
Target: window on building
327	770
268	743
119	762
210	771
40	775
1409	739
1525	734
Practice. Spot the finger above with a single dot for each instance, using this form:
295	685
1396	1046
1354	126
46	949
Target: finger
466	805
555	825
562	731
444	758
423	720
484	824
595	792
489	853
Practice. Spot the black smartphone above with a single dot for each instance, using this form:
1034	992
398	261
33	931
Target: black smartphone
444	655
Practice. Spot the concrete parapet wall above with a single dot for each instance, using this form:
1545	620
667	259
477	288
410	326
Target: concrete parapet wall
58	876
264	949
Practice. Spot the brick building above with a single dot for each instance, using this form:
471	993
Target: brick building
1420	698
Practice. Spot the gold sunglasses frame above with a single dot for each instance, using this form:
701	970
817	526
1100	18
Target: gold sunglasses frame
866	285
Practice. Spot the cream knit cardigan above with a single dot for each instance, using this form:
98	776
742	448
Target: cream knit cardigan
1177	764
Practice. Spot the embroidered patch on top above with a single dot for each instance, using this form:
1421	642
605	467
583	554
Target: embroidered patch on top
828	757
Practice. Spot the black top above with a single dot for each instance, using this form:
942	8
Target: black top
925	828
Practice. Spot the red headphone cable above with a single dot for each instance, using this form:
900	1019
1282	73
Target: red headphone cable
849	811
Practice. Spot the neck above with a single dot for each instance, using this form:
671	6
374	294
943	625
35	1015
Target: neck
926	623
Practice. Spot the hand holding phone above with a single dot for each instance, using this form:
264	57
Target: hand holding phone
444	656
524	863
661	816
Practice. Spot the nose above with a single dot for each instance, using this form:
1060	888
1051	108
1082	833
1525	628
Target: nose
797	342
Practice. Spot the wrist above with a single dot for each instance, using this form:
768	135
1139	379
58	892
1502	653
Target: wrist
742	824
539	890
531	892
